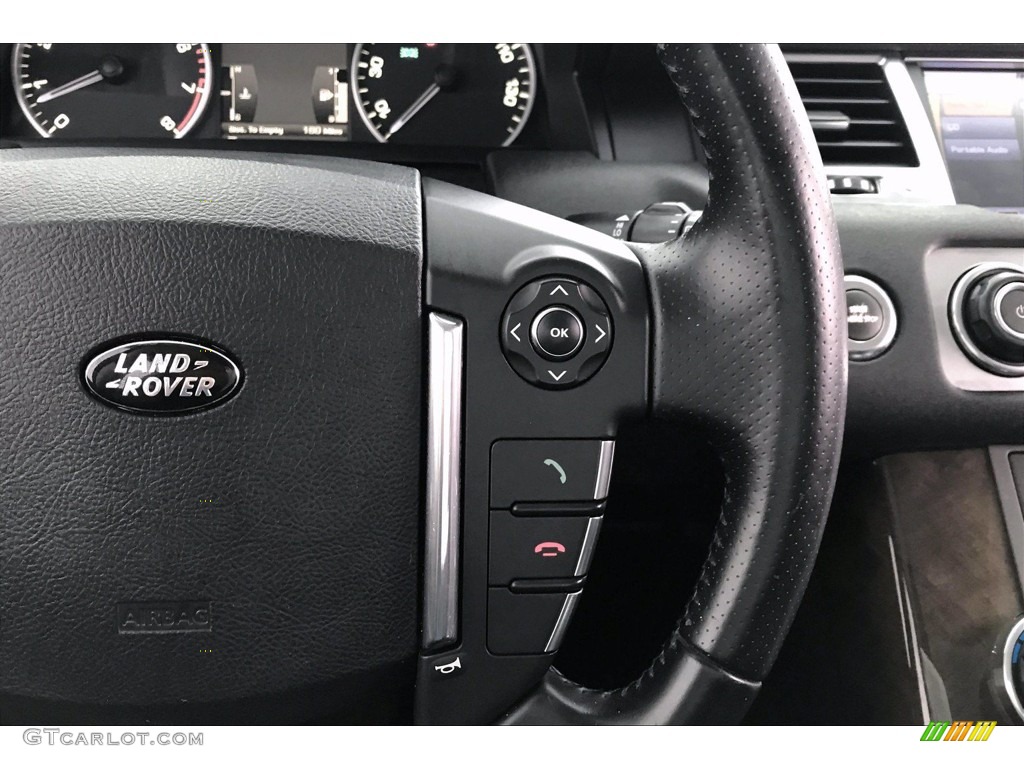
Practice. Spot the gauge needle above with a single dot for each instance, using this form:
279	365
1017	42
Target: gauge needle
410	113
63	90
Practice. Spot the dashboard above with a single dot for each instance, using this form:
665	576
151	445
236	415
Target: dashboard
419	94
569	129
444	108
596	133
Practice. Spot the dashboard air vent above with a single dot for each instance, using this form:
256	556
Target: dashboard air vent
853	112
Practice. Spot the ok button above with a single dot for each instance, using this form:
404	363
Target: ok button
557	333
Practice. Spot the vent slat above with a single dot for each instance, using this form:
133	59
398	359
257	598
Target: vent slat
862	144
839	100
845	80
868	128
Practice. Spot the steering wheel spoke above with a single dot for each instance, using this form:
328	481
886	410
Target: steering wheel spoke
554	318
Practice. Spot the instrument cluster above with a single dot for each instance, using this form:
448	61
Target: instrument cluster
430	94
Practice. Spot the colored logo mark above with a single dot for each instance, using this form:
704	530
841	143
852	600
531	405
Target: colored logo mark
961	730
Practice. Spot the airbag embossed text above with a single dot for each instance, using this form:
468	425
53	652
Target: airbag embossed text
152	617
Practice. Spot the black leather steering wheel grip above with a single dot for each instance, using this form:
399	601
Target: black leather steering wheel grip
749	347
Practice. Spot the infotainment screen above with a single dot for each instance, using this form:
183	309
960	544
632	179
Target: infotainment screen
273	91
979	116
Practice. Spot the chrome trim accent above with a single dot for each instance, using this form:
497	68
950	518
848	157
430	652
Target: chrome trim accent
692	218
828	121
932	164
1011	691
899	600
562	624
1019	284
444	462
956	319
589	542
1013	63
872	348
853	58
922	688
604	470
942	268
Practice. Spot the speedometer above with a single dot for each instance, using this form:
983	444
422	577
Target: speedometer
112	90
444	93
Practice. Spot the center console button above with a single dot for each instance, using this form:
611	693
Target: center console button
870	318
863	315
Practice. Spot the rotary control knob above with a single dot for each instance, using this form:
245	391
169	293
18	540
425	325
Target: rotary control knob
995	315
988	315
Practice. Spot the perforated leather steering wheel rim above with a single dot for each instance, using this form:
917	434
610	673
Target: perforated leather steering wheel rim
749	347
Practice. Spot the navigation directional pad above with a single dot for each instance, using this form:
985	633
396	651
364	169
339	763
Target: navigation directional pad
556	332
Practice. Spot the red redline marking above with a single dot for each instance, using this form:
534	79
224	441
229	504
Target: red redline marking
195	103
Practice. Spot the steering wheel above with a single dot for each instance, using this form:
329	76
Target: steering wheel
287	439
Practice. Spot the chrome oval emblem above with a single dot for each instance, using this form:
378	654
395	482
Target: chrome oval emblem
162	376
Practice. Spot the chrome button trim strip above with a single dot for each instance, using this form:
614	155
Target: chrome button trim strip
444	462
604	470
589	542
562	623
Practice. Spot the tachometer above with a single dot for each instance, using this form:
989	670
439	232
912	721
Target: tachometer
112	90
444	93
